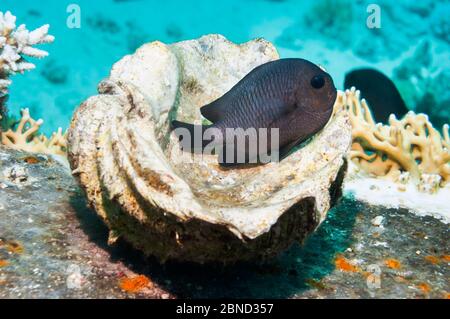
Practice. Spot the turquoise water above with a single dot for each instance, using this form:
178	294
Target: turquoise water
412	45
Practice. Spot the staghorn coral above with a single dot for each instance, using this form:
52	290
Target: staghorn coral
409	146
25	137
15	43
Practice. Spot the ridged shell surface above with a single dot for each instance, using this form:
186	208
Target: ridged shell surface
183	206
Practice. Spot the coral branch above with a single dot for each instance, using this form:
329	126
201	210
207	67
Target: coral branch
25	138
15	44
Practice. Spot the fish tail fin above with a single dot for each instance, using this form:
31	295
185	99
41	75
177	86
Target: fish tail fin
191	136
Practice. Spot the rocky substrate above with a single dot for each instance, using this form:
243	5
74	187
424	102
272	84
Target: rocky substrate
53	246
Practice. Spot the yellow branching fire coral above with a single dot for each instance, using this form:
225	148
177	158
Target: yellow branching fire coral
410	146
24	137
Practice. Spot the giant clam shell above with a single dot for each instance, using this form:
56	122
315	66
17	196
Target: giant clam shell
176	205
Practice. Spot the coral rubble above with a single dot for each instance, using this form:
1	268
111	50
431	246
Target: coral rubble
409	148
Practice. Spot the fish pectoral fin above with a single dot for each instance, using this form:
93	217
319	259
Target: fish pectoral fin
288	108
278	109
286	149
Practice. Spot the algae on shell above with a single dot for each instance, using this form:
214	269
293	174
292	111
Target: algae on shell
176	205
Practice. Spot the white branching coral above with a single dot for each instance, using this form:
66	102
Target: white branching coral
15	44
25	137
410	146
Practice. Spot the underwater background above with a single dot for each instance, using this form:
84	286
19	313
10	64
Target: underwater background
59	231
412	45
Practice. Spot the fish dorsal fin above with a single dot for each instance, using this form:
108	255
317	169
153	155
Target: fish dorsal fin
214	111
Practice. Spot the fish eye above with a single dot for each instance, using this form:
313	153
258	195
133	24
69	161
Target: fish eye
317	81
